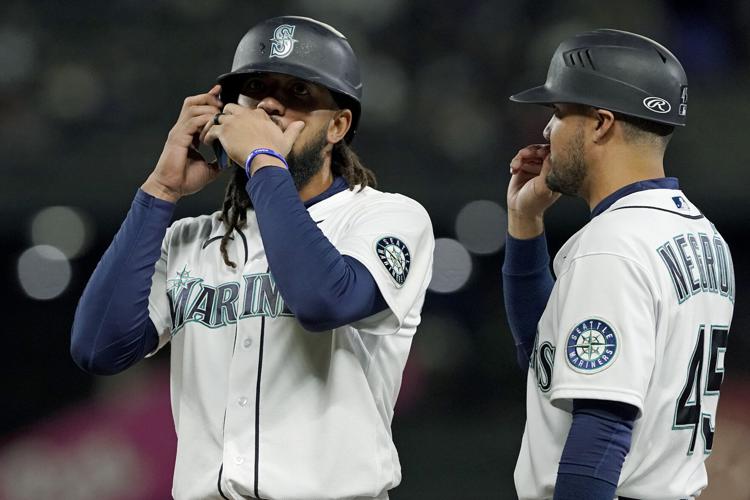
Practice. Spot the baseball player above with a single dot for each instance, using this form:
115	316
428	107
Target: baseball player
625	349
290	312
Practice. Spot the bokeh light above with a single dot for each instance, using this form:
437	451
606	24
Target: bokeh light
445	347
199	10
451	268
73	91
43	272
65	228
17	55
385	99
109	462
480	227
370	13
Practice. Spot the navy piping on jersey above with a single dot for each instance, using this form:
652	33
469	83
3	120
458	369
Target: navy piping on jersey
234	349
244	243
693	217
218	483
661	183
257	402
212	239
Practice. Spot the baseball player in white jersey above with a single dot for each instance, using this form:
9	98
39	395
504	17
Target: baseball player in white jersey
626	347
290	312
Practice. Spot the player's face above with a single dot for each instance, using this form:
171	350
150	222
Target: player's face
565	134
287	99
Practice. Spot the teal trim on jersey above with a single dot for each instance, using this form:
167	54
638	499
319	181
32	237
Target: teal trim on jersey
722	267
224	302
191	302
718	346
544	366
669	258
681	241
699	261
219	306
542	361
707	433
709	261
265	298
692	378
709	270
718	341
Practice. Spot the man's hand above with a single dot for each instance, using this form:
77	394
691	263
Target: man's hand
528	194
181	169
241	130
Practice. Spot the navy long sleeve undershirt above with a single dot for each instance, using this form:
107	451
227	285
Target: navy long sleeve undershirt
322	288
527	285
112	330
596	447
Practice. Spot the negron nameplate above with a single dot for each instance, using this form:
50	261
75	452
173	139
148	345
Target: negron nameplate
395	256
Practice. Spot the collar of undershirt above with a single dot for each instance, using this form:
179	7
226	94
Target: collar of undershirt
339	184
661	183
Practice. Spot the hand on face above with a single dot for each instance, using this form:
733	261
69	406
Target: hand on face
241	130
528	194
181	169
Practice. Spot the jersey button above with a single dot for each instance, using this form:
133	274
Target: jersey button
239	460
247	343
242	402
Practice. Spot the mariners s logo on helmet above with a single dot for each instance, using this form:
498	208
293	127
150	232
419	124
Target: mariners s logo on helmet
395	256
283	41
591	346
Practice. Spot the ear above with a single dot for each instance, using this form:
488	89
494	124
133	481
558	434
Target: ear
604	123
339	125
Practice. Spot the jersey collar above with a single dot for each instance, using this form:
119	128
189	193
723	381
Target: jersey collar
339	184
661	183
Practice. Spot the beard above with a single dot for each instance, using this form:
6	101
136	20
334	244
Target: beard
568	171
307	162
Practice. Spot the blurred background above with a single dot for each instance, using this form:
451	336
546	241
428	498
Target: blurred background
89	90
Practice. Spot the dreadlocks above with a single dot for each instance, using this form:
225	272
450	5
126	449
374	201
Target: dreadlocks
344	162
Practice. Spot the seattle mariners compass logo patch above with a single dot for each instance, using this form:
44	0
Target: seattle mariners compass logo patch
591	346
395	257
283	41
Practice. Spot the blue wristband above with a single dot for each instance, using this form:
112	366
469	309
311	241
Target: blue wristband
263	151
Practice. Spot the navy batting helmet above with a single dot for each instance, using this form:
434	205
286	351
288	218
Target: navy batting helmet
618	71
303	48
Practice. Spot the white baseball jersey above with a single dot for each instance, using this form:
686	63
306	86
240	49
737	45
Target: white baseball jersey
640	313
263	408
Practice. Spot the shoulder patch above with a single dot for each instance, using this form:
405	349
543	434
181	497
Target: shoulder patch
395	256
592	346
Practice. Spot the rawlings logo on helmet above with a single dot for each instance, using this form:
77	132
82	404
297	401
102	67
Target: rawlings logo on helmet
283	41
657	105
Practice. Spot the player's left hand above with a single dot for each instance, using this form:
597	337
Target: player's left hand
241	130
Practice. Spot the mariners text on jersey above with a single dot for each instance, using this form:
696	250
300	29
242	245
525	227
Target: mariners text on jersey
190	299
698	263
